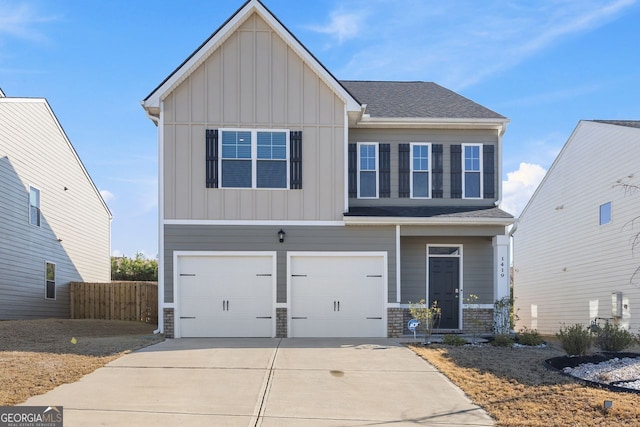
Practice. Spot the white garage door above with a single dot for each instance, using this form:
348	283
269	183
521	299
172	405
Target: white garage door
225	296
337	295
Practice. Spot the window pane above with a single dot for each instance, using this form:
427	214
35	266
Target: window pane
51	272
236	173
472	158
605	213
420	157
471	184
367	184
236	145
420	184
51	290
452	250
271	174
368	157
34	206
272	145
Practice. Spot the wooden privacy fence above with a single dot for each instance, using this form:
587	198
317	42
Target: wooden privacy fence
137	301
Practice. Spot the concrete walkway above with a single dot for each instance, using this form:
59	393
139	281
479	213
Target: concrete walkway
266	382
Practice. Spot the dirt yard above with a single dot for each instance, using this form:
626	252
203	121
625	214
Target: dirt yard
39	355
514	387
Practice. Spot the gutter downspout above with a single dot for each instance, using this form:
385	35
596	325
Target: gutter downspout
155	120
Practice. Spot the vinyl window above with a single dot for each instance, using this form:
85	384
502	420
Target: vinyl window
34	206
472	171
50	280
368	170
420	171
254	158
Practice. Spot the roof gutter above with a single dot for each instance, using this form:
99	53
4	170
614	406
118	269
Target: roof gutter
154	118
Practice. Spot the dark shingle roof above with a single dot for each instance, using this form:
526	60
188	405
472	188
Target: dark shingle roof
415	100
430	212
628	123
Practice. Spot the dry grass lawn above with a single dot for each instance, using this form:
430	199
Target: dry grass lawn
38	355
514	387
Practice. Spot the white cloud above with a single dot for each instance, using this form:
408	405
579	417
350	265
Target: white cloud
107	195
20	19
520	186
116	253
342	25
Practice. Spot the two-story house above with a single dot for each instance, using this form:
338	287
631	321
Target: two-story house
55	228
293	204
588	202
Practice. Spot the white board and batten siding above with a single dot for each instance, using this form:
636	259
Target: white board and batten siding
567	265
253	80
74	233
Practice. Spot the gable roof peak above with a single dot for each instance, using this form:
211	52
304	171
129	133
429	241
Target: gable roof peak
152	102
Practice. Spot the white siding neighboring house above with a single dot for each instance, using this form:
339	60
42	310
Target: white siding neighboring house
573	257
54	225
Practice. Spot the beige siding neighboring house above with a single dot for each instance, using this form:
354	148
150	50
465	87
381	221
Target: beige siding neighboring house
294	204
573	255
54	225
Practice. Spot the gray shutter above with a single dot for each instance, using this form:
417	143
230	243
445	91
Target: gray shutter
437	170
404	169
488	168
384	172
353	171
456	171
211	158
295	160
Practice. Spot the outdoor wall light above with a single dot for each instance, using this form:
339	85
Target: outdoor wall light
281	234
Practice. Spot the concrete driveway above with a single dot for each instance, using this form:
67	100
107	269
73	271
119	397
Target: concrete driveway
266	382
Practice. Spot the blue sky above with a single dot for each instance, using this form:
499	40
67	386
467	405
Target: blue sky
544	64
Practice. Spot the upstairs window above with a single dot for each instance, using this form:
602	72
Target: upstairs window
420	171
472	171
254	159
605	213
34	206
368	170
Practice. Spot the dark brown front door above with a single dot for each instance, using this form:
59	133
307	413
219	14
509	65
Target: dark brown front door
444	282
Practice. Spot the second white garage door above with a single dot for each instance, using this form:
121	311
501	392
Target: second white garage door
337	294
230	295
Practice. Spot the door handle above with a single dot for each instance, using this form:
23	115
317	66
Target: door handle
334	306
338	305
225	305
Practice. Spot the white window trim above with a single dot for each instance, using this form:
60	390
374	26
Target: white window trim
254	158
55	290
480	171
39	206
377	170
428	172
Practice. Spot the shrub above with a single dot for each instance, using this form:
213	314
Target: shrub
502	340
612	338
529	337
452	339
575	339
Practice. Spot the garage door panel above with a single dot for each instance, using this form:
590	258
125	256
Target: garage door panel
337	296
226	296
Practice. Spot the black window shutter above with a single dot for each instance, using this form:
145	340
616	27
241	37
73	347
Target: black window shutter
436	189
456	171
384	173
404	169
211	143
488	167
353	171
295	160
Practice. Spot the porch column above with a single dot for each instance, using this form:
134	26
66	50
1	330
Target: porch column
501	267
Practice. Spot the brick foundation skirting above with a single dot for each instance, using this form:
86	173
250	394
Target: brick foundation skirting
281	322
167	315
